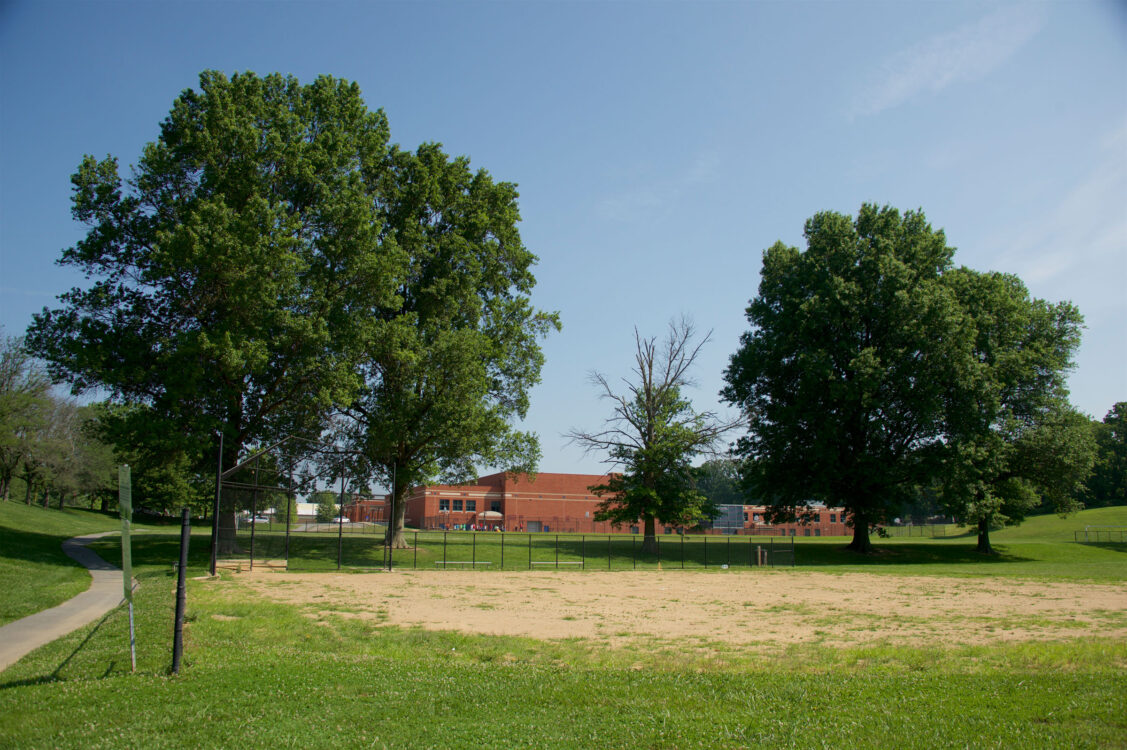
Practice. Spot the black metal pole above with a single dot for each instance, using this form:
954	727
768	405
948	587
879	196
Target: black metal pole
583	551
530	551
633	552
557	551
682	549
608	551
340	519
181	591
253	512
415	564
444	549
473	553
502	550
705	550
215	511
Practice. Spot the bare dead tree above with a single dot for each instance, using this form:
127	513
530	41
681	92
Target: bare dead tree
653	434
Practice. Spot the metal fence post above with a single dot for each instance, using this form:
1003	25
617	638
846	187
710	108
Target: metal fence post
705	550
473	554
502	550
633	553
557	551
608	551
793	563
682	549
215	512
583	551
530	551
444	550
415	564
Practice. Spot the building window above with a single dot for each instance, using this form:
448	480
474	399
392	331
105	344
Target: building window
633	529
471	505
745	516
792	532
817	532
457	505
806	532
444	505
833	518
495	506
817	518
757	518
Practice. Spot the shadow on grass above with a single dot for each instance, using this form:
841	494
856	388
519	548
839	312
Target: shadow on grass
1110	546
54	676
903	553
35	547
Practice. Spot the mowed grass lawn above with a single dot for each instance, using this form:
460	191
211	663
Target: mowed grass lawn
263	674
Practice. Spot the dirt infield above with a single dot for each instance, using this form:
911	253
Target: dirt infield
739	608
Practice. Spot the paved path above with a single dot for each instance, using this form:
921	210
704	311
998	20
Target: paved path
23	636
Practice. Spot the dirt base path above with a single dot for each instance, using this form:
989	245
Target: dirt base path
741	608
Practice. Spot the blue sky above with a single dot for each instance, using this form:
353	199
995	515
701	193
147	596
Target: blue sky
659	148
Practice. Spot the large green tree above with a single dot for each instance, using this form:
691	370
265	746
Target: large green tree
1012	441
224	267
844	373
652	436
1107	484
456	351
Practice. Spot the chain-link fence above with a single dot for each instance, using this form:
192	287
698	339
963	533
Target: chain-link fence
346	548
292	505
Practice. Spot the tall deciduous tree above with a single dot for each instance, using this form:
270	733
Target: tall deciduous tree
1012	440
454	354
652	436
844	373
225	265
1107	484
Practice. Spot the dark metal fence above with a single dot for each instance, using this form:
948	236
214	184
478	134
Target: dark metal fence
449	550
1097	534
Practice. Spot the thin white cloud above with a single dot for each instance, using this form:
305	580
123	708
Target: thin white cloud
965	54
1085	233
645	200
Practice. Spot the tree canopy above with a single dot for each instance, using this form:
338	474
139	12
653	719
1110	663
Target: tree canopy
1012	440
843	375
455	351
652	436
274	261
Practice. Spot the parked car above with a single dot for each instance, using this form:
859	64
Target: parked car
258	519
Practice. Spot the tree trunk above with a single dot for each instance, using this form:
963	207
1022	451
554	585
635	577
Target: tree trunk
861	543
395	536
226	543
984	537
649	539
104	506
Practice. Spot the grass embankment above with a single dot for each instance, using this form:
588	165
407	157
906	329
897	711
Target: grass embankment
34	573
262	674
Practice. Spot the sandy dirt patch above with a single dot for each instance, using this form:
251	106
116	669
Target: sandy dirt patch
739	608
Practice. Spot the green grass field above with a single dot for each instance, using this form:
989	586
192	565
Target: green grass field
263	674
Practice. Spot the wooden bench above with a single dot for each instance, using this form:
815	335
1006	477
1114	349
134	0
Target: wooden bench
557	564
462	563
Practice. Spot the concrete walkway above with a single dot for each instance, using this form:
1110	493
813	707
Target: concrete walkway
24	636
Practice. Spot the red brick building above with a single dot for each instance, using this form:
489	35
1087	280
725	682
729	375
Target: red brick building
564	503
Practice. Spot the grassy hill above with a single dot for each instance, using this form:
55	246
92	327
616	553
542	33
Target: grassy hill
34	573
